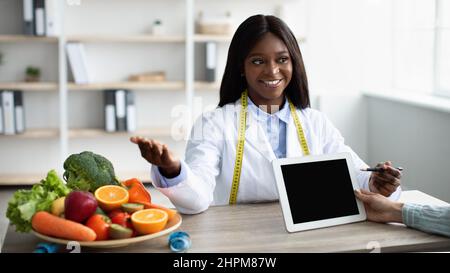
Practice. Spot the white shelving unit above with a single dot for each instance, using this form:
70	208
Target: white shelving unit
66	132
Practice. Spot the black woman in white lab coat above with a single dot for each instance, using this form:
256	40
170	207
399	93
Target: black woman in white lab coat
264	78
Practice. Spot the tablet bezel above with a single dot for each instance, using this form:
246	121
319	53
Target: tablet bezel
290	225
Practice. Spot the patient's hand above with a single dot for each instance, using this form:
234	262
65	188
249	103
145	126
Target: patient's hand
379	208
385	182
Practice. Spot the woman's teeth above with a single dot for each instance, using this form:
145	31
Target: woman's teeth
272	83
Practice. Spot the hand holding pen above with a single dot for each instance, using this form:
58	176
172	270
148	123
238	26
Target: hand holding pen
378	169
385	179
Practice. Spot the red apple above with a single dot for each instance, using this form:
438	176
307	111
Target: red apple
79	206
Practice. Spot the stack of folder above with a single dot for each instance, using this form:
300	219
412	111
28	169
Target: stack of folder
120	111
12	119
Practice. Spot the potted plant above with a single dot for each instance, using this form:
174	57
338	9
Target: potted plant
32	74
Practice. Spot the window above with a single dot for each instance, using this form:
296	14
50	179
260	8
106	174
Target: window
421	40
442	80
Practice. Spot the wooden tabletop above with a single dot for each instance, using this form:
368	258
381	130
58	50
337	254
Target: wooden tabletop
260	228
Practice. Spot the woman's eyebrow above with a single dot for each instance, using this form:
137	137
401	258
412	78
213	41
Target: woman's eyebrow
262	54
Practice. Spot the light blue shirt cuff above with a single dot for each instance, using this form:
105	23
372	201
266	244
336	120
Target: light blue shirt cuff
170	182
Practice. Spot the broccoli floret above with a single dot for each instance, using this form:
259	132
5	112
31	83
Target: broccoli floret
88	171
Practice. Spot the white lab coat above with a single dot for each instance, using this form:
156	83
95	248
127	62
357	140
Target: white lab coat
211	153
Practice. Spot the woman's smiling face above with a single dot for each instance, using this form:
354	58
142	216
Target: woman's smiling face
268	70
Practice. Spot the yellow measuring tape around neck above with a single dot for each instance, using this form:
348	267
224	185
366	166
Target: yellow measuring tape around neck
241	141
298	125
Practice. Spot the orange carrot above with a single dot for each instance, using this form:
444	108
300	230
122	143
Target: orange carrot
171	212
51	225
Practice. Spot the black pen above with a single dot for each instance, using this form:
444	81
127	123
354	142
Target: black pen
379	169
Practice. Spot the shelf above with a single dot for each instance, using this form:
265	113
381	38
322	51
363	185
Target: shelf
43	133
35	134
50	86
25	38
34	178
30	86
173	85
148	132
209	86
201	38
212	38
125	39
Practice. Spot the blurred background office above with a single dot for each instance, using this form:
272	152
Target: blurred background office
380	69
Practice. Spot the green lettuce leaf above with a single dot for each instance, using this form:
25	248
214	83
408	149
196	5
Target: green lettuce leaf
25	203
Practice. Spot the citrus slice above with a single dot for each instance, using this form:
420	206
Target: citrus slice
111	197
149	220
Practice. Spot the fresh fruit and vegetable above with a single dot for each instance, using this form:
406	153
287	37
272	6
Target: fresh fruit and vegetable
88	171
149	221
25	203
58	206
93	205
170	212
120	232
137	191
79	206
100	224
111	197
132	207
119	217
51	225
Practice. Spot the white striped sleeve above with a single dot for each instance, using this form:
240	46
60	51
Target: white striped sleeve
432	219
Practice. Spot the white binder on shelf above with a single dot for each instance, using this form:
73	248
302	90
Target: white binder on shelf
28	17
121	121
39	17
1	112
52	17
19	117
211	61
8	113
131	111
110	110
78	62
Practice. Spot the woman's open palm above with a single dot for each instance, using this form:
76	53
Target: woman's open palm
156	153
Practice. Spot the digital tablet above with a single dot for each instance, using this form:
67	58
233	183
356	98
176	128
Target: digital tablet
317	191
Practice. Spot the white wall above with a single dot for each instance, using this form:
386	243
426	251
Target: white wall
348	48
414	138
349	114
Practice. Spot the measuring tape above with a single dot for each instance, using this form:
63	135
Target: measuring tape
241	141
298	125
239	149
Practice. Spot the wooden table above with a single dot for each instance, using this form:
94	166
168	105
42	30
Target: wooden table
260	228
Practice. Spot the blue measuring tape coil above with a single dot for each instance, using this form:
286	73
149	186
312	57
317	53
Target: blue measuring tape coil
179	241
46	248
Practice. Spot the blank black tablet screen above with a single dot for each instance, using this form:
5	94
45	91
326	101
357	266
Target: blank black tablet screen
319	190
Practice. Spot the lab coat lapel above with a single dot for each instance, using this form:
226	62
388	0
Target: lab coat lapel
293	148
254	135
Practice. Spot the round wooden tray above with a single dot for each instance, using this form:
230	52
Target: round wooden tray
173	224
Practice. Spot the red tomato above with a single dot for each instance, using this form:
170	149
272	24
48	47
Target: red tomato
119	217
100	225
